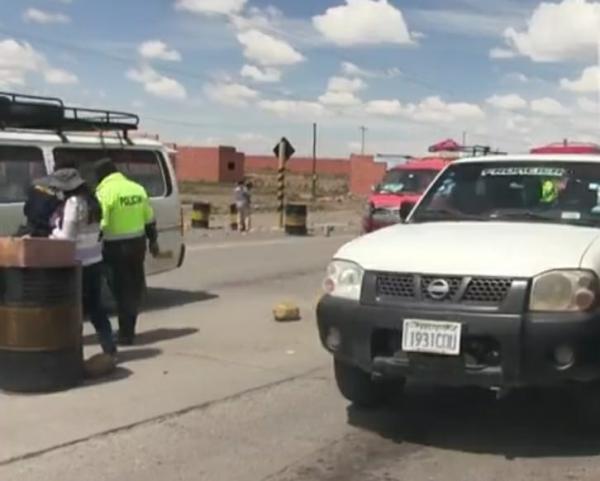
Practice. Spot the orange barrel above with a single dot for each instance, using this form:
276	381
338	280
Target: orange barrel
40	317
295	219
201	215
233	217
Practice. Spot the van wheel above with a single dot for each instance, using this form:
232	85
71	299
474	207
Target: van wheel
358	387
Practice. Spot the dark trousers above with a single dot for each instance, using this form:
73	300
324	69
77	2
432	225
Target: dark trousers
125	263
92	305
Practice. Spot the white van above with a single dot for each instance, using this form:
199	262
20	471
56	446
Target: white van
27	154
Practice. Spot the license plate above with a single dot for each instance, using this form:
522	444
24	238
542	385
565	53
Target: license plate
433	337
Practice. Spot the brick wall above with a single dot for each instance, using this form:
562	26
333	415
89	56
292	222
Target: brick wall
365	173
209	164
231	165
298	165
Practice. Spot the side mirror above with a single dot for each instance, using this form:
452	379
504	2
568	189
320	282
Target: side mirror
405	210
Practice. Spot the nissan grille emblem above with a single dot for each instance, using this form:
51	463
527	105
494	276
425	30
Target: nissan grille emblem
438	289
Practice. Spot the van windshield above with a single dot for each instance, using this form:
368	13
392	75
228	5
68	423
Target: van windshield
406	181
141	166
19	167
549	191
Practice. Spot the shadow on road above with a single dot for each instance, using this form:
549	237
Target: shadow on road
133	354
163	334
527	424
158	298
118	374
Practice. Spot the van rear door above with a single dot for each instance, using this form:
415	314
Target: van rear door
151	169
19	166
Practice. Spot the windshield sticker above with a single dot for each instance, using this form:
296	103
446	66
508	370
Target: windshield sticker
570	215
532	171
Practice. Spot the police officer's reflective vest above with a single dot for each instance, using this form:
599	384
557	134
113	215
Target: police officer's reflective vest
549	191
126	209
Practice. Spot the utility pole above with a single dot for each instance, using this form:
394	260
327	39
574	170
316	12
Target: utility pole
314	164
363	131
464	138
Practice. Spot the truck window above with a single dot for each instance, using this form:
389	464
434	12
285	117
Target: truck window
141	166
19	166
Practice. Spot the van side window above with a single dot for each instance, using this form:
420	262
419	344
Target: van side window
141	166
19	167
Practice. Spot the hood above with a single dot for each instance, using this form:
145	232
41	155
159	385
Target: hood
472	248
65	180
392	200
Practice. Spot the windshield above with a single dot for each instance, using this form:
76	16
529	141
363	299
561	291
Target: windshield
555	192
406	181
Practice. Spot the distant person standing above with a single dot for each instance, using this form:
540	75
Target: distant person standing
127	222
241	196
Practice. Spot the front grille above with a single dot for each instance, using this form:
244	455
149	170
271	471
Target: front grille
461	289
487	290
396	285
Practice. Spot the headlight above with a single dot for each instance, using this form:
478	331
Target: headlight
344	279
564	291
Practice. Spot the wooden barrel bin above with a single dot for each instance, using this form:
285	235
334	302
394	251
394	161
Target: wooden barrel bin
40	316
233	217
201	215
295	219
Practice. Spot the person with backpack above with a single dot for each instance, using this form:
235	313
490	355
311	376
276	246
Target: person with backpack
62	206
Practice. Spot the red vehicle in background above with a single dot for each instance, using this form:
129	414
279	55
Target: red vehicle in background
567	147
401	186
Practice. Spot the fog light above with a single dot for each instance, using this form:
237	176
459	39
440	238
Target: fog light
333	339
564	356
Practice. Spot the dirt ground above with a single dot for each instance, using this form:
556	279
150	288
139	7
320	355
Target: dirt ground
332	193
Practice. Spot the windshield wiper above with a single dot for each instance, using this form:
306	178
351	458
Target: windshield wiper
445	214
522	214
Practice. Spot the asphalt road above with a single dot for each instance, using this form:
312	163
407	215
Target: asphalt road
216	390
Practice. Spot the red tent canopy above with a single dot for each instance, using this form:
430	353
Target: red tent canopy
567	148
447	145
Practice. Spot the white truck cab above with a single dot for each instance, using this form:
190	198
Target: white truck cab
492	280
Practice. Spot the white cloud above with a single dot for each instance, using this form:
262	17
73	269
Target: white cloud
157	84
518	76
353	70
386	108
267	75
548	106
558	31
339	99
268	51
299	108
434	109
34	15
589	81
363	22
429	110
18	59
343	84
211	7
233	94
589	106
57	76
507	102
501	53
157	49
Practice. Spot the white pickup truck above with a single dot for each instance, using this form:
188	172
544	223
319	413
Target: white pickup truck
492	280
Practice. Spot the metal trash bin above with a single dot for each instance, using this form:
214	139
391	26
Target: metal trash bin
295	219
233	217
201	215
40	316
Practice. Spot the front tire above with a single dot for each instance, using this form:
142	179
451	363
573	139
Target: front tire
358	387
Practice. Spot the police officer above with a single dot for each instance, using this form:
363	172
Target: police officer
127	222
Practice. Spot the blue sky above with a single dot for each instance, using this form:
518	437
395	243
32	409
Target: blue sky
511	73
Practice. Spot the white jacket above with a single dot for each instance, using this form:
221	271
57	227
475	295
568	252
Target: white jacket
75	226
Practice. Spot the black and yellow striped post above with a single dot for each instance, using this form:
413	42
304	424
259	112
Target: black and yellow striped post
201	215
40	327
281	183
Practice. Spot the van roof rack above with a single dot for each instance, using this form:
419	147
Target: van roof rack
32	112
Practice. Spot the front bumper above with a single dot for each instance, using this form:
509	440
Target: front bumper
498	350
